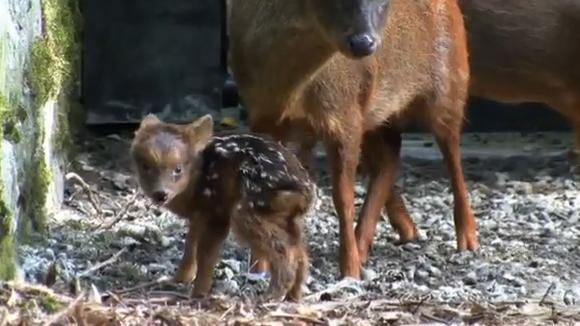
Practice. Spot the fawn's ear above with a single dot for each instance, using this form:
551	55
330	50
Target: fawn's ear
200	131
149	120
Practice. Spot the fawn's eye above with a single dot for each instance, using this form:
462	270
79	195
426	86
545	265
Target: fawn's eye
177	171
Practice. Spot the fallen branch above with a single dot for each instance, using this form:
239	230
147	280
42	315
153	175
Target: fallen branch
119	216
296	316
87	188
548	291
227	312
100	265
170	293
34	288
161	280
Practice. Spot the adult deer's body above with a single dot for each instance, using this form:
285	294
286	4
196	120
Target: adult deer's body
526	51
342	70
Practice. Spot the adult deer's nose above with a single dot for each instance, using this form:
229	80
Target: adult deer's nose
362	45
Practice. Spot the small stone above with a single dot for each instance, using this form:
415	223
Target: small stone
569	298
524	188
434	271
228	273
369	274
421	275
234	265
470	279
164	241
156	268
50	254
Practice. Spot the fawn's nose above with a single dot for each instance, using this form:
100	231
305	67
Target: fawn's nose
362	45
160	196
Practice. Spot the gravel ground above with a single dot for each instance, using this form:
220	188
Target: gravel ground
524	193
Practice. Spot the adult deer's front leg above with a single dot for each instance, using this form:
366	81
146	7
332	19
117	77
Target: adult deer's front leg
465	225
344	158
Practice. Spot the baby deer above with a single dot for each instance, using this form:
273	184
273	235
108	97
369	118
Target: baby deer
244	182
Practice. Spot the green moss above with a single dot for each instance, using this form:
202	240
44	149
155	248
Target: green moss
8	121
50	304
7	250
55	63
38	185
7	259
52	72
7	253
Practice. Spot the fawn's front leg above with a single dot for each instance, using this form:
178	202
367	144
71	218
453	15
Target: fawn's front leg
212	235
188	266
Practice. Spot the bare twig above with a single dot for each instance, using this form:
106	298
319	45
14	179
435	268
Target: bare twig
227	312
170	293
433	318
100	265
86	187
119	216
158	281
425	298
296	316
56	317
25	287
545	296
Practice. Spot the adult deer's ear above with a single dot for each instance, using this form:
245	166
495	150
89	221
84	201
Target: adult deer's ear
200	131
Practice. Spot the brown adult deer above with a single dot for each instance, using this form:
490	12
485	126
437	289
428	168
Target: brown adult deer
352	73
524	51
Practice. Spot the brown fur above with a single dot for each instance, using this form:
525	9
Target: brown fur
292	78
243	182
520	51
524	51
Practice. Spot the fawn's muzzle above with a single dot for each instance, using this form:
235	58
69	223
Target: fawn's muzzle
160	197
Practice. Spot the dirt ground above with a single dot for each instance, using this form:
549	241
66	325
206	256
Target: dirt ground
108	248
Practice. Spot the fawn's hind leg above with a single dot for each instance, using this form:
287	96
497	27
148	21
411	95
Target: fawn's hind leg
300	256
276	235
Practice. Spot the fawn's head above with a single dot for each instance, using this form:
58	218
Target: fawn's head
355	26
166	156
